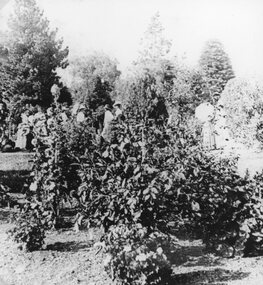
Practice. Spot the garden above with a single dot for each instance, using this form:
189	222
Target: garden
132	195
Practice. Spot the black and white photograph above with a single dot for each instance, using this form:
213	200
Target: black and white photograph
131	142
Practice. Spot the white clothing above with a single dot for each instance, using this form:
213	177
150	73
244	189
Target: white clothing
118	113
108	117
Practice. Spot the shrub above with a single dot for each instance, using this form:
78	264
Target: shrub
31	226
134	257
53	178
128	179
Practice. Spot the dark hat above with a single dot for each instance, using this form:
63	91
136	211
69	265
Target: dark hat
107	107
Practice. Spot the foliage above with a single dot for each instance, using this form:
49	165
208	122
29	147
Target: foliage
133	257
243	103
34	54
54	176
93	79
124	181
30	232
218	205
146	102
185	93
216	68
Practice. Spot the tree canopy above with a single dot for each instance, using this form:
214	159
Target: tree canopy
216	68
93	79
34	54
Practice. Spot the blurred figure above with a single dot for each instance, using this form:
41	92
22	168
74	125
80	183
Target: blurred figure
117	110
3	116
22	132
205	113
108	117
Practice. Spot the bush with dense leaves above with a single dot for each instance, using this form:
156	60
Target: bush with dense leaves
134	257
219	206
31	226
130	178
53	178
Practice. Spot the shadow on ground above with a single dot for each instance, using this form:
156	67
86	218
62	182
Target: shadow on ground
194	266
69	246
213	277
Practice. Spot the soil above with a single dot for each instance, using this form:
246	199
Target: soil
71	258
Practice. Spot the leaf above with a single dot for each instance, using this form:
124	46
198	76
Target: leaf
195	206
105	154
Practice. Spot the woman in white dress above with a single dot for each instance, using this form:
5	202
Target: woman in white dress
205	113
23	130
108	117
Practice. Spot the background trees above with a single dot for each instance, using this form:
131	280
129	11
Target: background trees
93	79
34	54
243	103
216	68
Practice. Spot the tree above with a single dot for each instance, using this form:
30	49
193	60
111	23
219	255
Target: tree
185	93
34	54
153	56
243	103
154	46
93	79
216	68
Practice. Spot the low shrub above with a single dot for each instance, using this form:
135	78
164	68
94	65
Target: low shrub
31	226
134	257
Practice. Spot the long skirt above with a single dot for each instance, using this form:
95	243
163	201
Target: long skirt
208	136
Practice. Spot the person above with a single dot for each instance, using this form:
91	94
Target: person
3	116
208	135
108	117
23	130
118	110
205	113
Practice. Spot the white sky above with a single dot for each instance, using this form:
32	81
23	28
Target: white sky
116	27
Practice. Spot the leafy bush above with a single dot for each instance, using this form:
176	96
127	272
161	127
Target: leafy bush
31	226
219	206
128	180
134	257
53	178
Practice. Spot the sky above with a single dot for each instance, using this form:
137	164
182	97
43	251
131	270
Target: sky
116	27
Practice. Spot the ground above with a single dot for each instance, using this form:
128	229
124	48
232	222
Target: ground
71	258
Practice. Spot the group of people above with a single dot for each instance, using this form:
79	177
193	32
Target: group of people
34	121
109	116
